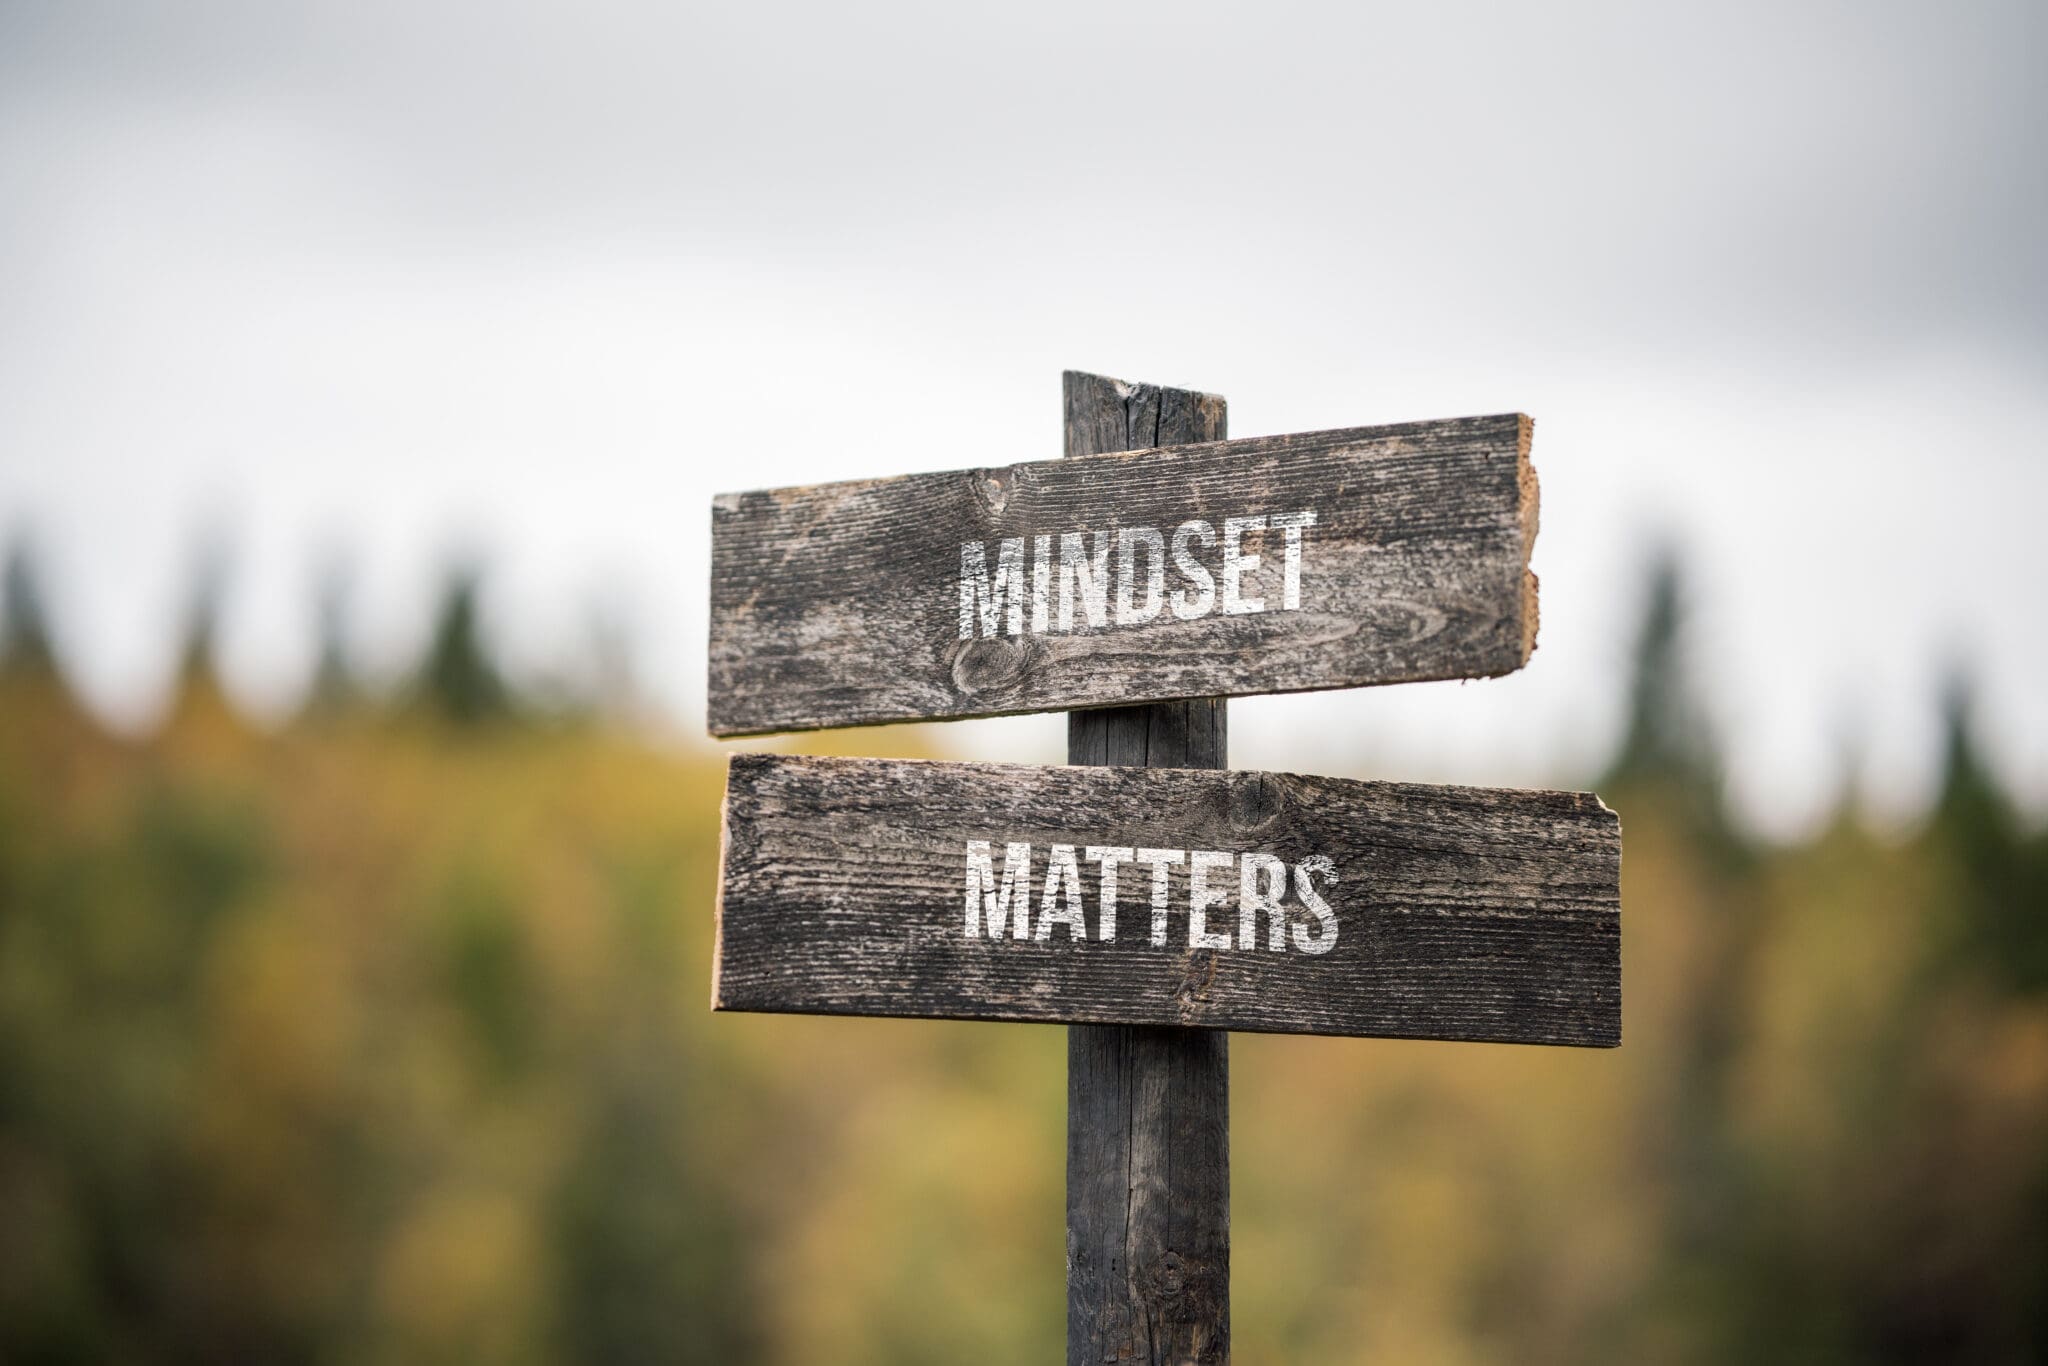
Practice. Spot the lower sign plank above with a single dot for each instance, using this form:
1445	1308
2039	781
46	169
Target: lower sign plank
1222	900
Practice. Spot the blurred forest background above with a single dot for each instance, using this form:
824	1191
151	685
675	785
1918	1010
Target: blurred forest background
381	1035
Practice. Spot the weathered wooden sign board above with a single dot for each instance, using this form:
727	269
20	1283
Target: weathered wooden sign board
1225	900
1276	564
1148	897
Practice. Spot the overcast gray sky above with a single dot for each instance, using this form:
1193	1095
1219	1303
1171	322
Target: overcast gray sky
396	281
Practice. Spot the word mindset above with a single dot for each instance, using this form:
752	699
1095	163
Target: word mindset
994	599
995	903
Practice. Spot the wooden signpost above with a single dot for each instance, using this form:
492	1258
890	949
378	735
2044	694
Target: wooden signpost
1148	904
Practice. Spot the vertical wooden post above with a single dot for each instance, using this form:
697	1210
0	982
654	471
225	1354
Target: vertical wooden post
1148	1110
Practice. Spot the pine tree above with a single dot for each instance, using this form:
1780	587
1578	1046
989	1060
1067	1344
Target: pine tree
2004	872
199	643
25	648
1667	746
1664	736
334	686
200	705
458	680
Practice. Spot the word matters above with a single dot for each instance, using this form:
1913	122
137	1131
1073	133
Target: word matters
997	904
1119	577
1208	898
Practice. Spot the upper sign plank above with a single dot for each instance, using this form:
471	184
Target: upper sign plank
1275	564
1222	900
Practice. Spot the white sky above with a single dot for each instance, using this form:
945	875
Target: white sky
397	282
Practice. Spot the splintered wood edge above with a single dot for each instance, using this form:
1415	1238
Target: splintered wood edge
1529	513
718	895
1620	941
1126	389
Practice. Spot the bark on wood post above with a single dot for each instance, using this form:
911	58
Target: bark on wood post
1148	1109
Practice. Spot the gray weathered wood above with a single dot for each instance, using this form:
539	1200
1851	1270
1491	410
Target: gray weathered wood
1148	1196
1148	1109
839	604
1462	913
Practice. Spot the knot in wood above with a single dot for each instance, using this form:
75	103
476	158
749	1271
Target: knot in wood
1410	622
991	488
995	665
1257	800
1168	1277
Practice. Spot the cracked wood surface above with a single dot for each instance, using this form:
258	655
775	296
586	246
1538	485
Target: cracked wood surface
1463	913
839	604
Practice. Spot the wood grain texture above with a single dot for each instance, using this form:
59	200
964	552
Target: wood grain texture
1463	913
1148	1196
1148	1109
838	604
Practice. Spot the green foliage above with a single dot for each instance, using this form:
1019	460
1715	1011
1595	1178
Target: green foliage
650	1261
483	959
344	1043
